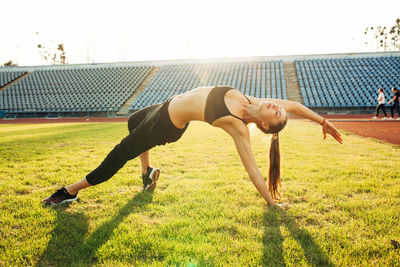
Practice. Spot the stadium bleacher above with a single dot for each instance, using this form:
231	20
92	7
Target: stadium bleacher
9	76
346	82
73	89
323	83
259	79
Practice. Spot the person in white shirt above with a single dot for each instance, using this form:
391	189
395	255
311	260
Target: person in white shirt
381	105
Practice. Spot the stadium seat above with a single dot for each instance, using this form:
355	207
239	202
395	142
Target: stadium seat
71	86
258	79
348	79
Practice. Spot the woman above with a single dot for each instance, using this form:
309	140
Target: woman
222	107
381	105
395	105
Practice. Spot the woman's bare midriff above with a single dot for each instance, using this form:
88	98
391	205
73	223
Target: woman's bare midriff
190	106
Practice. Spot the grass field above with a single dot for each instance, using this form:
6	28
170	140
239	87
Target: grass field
205	211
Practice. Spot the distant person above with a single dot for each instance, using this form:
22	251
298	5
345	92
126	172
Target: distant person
381	105
395	104
220	106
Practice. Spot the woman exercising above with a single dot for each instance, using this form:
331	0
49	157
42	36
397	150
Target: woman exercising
223	107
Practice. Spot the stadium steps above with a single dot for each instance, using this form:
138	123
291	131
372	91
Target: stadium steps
292	83
13	81
124	110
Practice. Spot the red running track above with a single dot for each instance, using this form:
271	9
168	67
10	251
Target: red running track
360	124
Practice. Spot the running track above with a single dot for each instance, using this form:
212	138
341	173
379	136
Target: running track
388	131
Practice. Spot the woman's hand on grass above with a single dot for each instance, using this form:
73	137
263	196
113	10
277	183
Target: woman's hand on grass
280	205
283	205
328	127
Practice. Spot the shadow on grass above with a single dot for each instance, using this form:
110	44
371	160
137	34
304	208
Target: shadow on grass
272	239
69	246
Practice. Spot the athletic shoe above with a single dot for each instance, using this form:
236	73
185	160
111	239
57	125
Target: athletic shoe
390	118
398	119
374	118
60	196
150	178
384	118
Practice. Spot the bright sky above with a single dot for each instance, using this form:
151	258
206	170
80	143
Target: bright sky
113	31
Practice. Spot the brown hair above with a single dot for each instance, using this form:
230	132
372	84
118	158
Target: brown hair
274	168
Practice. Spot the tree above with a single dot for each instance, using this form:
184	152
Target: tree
54	54
9	63
387	38
62	53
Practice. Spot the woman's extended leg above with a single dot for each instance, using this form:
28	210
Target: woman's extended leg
82	184
130	147
147	128
76	187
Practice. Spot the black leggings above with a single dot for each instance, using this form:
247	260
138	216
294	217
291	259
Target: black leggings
393	107
378	107
148	128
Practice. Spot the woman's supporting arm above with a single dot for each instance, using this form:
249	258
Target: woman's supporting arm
242	142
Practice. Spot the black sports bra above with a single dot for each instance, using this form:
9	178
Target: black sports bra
215	104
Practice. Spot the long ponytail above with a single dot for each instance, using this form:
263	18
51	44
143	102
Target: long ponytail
274	168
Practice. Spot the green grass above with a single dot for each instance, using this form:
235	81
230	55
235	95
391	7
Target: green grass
205	211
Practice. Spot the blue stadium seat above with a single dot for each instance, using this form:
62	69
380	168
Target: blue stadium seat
71	88
347	79
260	79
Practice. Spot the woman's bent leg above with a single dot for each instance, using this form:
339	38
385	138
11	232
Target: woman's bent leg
145	160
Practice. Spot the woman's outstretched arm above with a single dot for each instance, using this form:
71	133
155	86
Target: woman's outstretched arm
302	111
